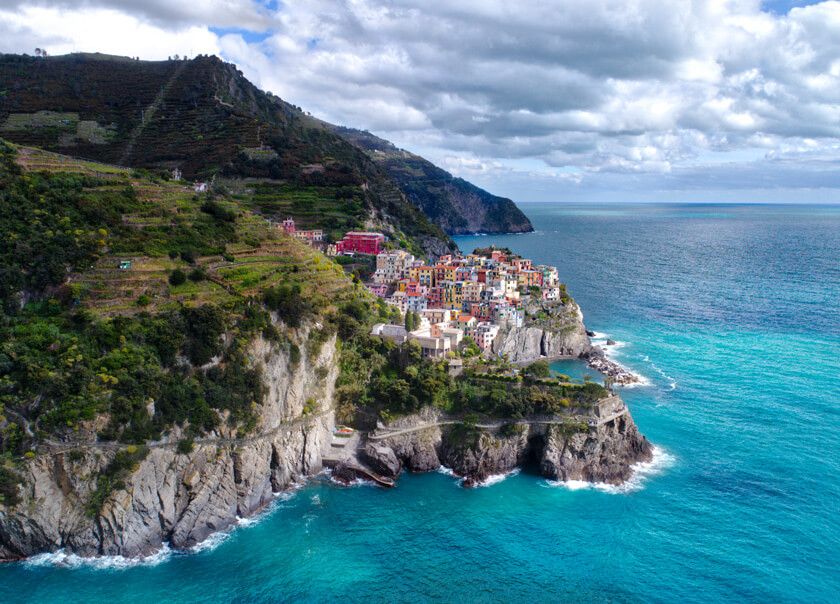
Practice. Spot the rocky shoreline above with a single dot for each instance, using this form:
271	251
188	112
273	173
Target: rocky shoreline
596	358
181	498
599	445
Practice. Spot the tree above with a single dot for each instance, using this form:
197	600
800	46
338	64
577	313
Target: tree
539	369
177	277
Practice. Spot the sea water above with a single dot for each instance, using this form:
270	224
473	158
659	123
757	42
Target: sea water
732	314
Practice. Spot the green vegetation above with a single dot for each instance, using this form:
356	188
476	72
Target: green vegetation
177	277
9	482
114	475
127	298
538	369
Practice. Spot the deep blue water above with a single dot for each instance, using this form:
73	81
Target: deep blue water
733	314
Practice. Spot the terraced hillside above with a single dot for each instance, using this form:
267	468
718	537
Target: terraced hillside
227	252
118	287
204	118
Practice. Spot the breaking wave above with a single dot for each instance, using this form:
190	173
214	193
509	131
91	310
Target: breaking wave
642	471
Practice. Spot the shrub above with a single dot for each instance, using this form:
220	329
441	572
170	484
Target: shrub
143	300
286	300
205	327
9	482
218	211
538	369
197	274
186	446
177	277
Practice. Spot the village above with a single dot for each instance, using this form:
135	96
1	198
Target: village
458	298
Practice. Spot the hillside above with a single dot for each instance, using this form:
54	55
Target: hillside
205	119
169	360
457	206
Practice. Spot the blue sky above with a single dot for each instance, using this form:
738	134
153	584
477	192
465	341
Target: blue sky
605	100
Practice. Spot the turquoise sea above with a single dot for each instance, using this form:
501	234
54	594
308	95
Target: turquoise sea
732	312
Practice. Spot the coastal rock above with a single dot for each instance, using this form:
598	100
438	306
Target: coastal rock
477	454
563	335
344	473
602	454
180	498
381	459
600	446
596	357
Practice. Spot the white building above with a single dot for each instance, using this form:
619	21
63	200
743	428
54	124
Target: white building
392	266
395	333
431	346
485	333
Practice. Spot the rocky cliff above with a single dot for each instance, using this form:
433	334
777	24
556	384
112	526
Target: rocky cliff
457	206
177	497
561	334
597	445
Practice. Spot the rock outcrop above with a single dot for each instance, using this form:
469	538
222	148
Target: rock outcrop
600	446
564	335
180	498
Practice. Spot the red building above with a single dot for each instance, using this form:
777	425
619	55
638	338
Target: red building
435	297
360	242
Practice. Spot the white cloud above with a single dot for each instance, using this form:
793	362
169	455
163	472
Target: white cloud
586	87
108	31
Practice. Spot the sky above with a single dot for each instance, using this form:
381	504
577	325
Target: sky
574	100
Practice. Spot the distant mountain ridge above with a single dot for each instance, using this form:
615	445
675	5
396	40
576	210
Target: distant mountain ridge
456	205
205	119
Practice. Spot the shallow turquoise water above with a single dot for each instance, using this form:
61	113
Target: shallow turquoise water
733	314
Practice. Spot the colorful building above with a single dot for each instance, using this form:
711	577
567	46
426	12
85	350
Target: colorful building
360	242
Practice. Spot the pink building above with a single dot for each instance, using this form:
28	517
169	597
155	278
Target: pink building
288	226
361	242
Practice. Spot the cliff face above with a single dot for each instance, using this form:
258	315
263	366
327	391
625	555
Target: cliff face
599	445
180	498
457	206
564	335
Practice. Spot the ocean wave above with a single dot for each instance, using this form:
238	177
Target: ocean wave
496	478
214	540
356	482
672	383
487	482
612	352
641	472
69	560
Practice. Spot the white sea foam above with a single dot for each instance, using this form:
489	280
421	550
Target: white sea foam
62	558
612	352
489	481
672	383
213	541
356	482
496	478
642	471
